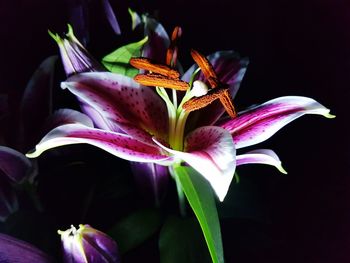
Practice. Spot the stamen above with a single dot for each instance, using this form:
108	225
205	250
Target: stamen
147	64
220	93
200	102
171	55
226	101
157	80
205	66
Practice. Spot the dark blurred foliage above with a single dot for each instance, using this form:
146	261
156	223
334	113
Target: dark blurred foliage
295	48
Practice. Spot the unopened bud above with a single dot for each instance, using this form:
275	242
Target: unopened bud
88	245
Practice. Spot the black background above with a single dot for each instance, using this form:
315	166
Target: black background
295	48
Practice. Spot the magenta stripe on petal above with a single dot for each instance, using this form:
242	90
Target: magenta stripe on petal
121	102
118	144
210	150
261	122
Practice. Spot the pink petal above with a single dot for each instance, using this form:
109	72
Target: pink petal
230	69
122	103
262	156
210	150
118	144
261	122
96	117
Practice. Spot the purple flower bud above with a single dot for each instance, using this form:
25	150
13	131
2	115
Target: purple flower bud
88	245
75	58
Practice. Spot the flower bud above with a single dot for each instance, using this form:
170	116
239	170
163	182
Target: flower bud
88	245
75	58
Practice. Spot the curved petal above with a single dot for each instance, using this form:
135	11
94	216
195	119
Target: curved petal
151	178
118	144
78	17
36	102
158	40
111	16
15	250
262	156
67	116
122	103
14	164
96	117
8	198
261	122
230	69
210	150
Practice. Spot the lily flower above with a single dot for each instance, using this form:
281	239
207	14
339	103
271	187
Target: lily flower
139	125
87	244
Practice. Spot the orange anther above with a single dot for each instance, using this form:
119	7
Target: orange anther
147	64
205	65
157	80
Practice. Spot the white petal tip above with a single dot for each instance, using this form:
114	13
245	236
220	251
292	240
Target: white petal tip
64	85
329	116
32	154
324	112
221	192
281	169
221	198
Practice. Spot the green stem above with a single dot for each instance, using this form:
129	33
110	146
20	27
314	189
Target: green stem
181	196
174	98
171	113
180	129
180	192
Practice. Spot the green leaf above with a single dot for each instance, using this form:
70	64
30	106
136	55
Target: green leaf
200	196
118	60
135	229
181	240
